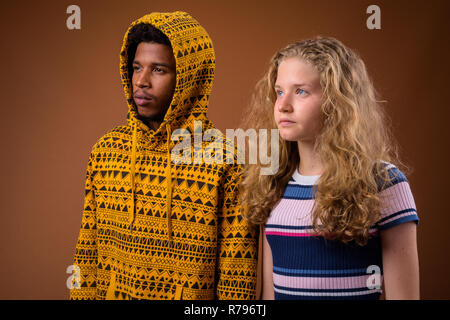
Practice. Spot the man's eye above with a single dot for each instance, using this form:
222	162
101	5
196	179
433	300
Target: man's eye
159	70
135	67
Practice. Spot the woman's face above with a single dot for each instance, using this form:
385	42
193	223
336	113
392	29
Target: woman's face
297	109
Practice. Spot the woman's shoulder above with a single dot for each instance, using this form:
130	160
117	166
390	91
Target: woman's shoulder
389	175
397	201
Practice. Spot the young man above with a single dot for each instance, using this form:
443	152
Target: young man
153	228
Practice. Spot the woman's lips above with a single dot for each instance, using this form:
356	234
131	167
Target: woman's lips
285	123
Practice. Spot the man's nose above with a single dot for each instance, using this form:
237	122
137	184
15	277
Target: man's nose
143	80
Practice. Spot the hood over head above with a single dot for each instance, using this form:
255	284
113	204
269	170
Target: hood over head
195	64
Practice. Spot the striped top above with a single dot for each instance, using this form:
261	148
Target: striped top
307	266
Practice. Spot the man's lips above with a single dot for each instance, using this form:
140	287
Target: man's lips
142	99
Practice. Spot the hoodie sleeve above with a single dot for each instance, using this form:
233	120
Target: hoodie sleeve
237	244
86	248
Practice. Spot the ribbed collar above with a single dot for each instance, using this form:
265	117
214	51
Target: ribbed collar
304	180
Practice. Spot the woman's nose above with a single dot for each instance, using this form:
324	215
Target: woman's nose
285	105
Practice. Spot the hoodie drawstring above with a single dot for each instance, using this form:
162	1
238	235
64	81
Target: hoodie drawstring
169	187
132	214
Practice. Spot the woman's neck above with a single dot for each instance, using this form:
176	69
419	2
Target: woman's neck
310	162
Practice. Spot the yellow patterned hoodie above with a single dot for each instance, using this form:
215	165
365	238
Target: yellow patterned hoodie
155	229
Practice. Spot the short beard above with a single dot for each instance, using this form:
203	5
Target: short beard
152	120
158	118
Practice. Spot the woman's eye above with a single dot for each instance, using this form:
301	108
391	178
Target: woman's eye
301	91
279	93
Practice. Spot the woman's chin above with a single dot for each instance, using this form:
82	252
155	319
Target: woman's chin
288	136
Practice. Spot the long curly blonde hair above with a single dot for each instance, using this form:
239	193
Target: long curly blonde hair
354	142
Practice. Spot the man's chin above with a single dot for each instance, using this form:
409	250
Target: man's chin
146	112
147	117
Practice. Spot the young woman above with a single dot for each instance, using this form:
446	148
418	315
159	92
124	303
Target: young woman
338	216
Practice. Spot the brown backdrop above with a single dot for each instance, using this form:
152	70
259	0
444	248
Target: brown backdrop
61	91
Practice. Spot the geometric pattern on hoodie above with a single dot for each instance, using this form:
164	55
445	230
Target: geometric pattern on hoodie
155	229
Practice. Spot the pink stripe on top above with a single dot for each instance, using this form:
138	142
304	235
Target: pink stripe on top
290	234
323	283
396	198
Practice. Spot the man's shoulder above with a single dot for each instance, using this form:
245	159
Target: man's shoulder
117	136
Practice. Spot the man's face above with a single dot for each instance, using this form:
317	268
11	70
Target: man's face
154	80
